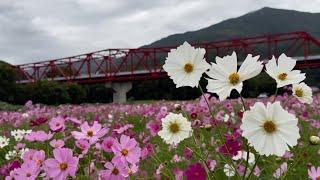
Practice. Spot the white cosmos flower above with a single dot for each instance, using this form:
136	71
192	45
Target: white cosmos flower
175	128
229	170
11	154
283	72
185	65
270	129
302	92
3	141
226	77
243	155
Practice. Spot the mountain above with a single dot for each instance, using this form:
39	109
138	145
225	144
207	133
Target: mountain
264	21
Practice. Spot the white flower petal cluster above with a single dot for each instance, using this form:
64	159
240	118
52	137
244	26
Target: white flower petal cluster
175	128
185	65
302	92
283	71
243	155
229	170
270	129
22	152
18	134
11	155
4	141
226	76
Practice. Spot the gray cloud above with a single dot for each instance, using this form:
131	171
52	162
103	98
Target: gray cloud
36	30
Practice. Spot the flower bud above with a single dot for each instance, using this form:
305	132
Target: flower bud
177	107
314	140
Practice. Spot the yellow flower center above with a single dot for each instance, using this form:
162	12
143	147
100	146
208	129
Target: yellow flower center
299	92
63	166
234	78
188	68
318	178
282	76
115	171
269	126
90	133
174	128
124	152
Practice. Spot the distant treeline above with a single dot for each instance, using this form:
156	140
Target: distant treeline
53	93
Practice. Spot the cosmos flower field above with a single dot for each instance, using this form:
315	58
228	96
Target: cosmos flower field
212	137
153	158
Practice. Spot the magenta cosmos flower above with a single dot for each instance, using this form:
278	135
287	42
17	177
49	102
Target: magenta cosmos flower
114	171
57	124
127	150
91	133
62	165
195	172
314	173
28	171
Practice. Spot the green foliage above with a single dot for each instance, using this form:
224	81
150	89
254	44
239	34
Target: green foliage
49	92
262	83
99	93
7	82
77	93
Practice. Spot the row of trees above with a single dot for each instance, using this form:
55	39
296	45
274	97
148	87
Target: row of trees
53	93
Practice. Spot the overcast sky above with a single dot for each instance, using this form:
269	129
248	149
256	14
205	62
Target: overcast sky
37	30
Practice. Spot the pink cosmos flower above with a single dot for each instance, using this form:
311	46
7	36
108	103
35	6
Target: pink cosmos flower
92	133
38	136
57	143
314	173
83	144
121	130
107	144
63	164
133	169
10	166
147	150
57	124
281	170
127	150
154	127
212	164
178	173
114	171
195	172
28	171
74	120
187	153
34	156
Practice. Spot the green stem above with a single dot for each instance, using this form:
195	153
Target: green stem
275	95
254	166
247	145
89	168
218	130
201	158
247	162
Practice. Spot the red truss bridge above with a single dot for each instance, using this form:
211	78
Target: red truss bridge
116	65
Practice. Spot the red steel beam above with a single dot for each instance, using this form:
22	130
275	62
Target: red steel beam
110	63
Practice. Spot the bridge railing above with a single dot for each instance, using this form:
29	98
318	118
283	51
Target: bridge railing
146	63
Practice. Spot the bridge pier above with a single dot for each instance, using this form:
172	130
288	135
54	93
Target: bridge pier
120	91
